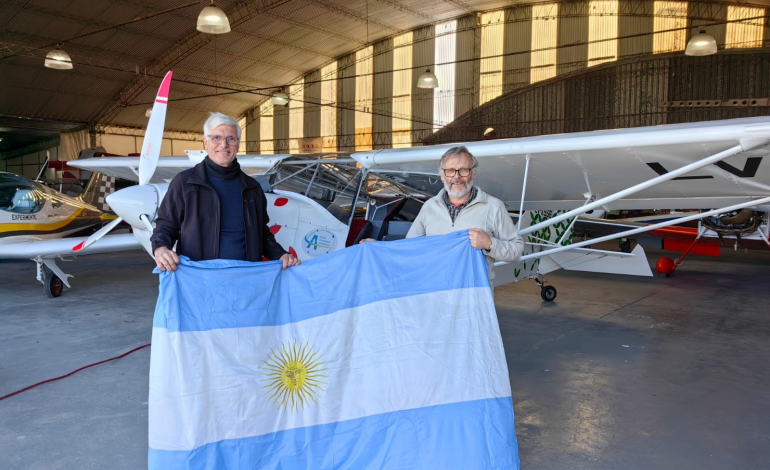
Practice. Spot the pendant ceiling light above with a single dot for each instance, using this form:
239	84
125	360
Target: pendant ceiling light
58	59
213	20
427	80
279	98
701	44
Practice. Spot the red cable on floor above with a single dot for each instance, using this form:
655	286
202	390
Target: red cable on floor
74	371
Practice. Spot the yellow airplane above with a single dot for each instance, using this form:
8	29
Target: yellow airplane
34	219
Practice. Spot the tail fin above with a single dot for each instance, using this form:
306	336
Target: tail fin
99	187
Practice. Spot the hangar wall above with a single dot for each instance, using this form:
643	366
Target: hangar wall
368	99
653	90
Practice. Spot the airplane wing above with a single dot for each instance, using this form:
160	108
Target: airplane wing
33	247
565	169
127	168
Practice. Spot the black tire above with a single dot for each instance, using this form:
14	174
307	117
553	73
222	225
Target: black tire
548	293
53	286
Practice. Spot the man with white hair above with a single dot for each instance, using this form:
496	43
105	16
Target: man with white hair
214	210
463	206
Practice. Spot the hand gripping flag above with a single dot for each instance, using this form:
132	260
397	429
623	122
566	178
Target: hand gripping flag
379	356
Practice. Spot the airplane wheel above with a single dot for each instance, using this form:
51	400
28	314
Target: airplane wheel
53	286
548	293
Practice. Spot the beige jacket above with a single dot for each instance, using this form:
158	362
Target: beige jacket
486	213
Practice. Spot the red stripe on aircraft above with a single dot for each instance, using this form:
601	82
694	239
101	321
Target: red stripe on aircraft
281	201
679	233
79	246
164	87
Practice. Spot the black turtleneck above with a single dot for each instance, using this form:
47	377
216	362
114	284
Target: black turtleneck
232	230
222	172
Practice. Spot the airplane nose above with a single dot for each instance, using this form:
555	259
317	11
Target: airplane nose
131	202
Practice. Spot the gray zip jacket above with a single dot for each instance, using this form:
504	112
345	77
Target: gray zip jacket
486	213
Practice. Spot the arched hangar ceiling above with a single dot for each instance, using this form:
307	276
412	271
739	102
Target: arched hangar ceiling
272	43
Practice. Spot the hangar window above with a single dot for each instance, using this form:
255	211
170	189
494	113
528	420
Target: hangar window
669	15
242	145
544	37
402	90
329	113
296	115
20	195
266	145
492	30
364	66
602	31
444	95
744	33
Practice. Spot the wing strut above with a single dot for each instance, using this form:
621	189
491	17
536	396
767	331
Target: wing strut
745	144
523	193
756	202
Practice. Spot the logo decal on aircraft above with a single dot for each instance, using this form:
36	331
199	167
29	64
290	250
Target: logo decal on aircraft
749	169
319	242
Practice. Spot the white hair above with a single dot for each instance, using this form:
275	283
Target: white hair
218	119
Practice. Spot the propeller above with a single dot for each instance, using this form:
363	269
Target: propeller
148	161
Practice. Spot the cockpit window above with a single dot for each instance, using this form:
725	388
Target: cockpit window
20	195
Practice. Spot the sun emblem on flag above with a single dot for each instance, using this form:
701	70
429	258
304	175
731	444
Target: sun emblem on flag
294	375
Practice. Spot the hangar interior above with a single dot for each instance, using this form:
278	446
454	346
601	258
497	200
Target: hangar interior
350	71
618	373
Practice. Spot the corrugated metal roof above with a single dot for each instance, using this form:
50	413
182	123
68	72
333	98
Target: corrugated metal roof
273	43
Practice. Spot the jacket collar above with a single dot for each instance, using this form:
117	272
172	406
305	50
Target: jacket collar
198	176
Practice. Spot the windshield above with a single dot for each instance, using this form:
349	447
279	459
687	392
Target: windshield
19	195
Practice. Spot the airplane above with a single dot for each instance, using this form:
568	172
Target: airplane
322	203
34	221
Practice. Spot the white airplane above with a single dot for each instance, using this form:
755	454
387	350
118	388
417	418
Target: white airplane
321	204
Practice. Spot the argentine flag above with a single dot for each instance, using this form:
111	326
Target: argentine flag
378	356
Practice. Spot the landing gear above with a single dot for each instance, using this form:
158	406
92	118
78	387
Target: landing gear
52	278
52	285
547	293
625	245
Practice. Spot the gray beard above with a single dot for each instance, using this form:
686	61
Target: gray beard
468	187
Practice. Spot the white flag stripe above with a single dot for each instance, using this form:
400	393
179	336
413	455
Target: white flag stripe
402	358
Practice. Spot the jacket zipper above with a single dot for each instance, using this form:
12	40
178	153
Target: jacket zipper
245	209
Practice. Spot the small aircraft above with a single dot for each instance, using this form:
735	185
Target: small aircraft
34	219
322	203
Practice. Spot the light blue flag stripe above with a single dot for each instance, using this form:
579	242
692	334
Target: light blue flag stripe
468	435
317	287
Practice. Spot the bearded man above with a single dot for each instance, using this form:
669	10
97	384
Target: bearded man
462	206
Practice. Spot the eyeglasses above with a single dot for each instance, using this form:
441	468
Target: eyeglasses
462	171
218	139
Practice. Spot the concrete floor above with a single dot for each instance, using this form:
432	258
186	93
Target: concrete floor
618	373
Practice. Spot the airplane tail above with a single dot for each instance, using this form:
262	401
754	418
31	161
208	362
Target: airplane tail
99	187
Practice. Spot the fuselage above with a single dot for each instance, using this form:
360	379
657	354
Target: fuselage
30	209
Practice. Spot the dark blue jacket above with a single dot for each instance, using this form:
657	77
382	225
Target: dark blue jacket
191	208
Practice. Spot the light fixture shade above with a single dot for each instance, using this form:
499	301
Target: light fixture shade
701	44
58	59
427	80
213	20
279	98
